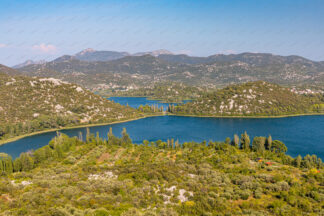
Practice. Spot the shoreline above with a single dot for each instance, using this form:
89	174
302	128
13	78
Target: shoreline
3	142
245	117
147	98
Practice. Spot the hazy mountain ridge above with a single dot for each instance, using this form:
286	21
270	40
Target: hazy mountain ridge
217	70
93	55
28	62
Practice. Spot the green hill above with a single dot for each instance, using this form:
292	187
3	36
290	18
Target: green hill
116	177
252	98
33	104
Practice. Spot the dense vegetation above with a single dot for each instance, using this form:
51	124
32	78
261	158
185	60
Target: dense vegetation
168	92
251	99
34	104
115	177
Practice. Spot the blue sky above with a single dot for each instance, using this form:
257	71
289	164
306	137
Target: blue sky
38	29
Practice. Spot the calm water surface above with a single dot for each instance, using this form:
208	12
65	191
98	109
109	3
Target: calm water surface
135	102
302	135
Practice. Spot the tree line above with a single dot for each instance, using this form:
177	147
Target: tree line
61	144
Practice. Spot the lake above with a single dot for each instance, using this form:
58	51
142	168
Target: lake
135	102
302	135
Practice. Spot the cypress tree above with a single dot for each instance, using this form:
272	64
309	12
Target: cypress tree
268	143
236	141
17	165
110	136
298	161
245	141
88	135
6	163
80	136
126	140
97	138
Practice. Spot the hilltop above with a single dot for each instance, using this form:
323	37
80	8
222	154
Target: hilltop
94	55
116	177
217	70
252	98
33	104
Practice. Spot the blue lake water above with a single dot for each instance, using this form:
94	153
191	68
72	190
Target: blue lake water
302	135
135	102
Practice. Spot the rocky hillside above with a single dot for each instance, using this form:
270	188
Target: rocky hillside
217	70
42	103
252	98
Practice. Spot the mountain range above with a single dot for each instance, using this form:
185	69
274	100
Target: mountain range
121	70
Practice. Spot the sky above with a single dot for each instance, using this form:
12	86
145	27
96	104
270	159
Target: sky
37	29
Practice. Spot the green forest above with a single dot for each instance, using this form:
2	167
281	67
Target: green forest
87	175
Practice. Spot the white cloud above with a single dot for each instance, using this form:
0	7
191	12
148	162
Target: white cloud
2	45
45	48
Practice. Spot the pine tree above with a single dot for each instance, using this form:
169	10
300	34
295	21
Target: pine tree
258	144
278	147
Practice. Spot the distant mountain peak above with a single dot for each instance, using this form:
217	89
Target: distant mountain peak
63	58
85	51
29	62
